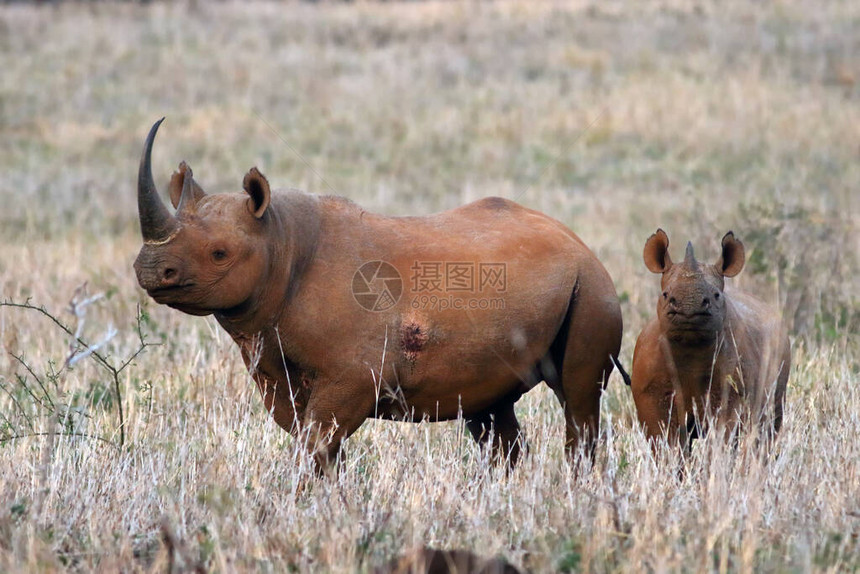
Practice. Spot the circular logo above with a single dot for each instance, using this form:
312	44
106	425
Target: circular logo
377	286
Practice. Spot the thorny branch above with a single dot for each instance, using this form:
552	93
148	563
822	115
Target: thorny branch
79	349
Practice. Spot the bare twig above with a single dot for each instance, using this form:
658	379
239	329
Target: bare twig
77	306
72	434
17	404
23	383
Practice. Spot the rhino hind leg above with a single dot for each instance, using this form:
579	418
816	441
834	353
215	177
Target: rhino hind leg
499	422
582	387
582	355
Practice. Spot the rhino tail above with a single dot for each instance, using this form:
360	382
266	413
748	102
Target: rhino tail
621	370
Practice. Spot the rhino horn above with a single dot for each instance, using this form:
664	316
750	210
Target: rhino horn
187	201
689	257
156	223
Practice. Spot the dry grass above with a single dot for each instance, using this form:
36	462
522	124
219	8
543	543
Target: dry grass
702	118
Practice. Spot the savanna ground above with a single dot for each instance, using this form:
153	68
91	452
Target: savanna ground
614	118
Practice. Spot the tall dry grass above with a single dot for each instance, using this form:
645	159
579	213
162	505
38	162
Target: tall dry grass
615	118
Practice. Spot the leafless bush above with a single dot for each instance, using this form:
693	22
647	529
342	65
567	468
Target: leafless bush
41	396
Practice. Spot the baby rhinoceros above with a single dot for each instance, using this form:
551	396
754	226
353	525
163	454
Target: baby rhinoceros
712	354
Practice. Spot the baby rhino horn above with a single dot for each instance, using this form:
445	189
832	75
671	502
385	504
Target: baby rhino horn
690	257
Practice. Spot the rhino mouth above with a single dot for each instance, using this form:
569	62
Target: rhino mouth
699	321
677	314
177	297
168	293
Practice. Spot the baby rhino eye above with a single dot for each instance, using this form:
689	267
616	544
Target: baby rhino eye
219	255
716	296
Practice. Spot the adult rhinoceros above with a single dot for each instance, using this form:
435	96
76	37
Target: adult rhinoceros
342	314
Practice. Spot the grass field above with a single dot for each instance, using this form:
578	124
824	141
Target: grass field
615	118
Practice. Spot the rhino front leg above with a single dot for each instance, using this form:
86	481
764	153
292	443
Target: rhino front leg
334	412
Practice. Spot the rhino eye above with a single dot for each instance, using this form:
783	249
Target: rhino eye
716	296
665	294
219	255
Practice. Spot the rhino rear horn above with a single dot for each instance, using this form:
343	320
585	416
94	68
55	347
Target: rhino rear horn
176	183
187	200
156	222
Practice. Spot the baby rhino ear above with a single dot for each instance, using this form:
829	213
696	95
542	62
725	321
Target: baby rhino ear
656	253
732	259
257	186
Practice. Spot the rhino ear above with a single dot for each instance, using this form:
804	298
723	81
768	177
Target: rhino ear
656	253
257	186
175	187
732	259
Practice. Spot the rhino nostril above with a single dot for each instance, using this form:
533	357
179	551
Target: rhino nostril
706	302
169	273
672	301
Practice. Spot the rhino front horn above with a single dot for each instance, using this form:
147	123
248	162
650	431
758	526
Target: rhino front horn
156	223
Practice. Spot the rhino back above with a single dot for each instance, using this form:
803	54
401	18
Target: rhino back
440	355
